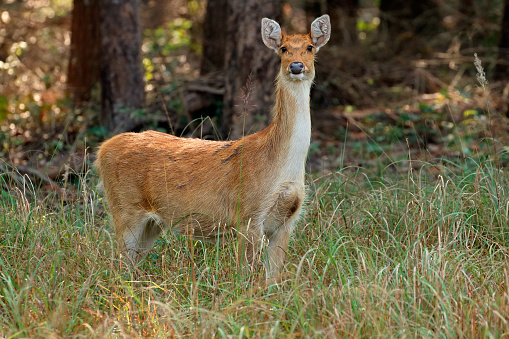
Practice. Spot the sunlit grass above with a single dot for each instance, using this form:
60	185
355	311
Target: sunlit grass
419	253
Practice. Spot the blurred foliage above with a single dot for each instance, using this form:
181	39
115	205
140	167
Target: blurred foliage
34	44
169	39
162	45
170	54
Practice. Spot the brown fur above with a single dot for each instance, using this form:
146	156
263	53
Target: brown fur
154	181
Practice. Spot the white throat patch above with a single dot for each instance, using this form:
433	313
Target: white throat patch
301	134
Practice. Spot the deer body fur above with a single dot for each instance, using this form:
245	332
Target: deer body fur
255	185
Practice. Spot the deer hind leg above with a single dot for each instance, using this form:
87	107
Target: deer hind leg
136	233
279	226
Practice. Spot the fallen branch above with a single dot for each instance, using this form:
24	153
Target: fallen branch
16	173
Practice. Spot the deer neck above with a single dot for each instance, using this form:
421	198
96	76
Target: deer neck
290	130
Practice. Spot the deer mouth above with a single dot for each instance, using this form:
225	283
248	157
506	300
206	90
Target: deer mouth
299	76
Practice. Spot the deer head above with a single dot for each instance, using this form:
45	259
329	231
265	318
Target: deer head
297	51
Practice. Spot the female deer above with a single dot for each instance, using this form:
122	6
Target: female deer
254	185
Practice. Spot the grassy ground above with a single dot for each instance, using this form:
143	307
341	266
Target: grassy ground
411	253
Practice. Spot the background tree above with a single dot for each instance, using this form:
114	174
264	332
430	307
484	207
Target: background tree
155	13
466	11
502	68
246	57
105	47
85	54
121	71
214	36
411	19
343	15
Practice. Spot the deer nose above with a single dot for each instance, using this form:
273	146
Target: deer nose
296	67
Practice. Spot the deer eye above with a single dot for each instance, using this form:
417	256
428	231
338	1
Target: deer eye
310	48
283	49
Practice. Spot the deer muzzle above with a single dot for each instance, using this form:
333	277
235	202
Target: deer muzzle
296	67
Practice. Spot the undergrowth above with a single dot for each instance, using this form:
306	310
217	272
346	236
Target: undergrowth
420	254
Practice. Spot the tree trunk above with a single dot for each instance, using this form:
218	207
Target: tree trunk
214	36
154	13
247	110
343	16
313	9
85	59
414	16
121	71
502	69
466	11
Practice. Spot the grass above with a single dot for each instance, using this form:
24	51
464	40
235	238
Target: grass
413	254
388	251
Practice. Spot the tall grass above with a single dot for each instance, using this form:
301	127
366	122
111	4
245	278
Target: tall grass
383	253
418	254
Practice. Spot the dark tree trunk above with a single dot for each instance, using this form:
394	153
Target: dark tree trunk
154	13
85	59
413	16
248	58
313	9
343	16
502	69
466	10
121	71
214	36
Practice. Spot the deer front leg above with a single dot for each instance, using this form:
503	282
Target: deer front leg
279	226
249	241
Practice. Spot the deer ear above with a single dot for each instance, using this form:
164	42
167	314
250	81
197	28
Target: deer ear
271	34
320	31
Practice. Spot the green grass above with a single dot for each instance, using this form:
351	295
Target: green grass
406	254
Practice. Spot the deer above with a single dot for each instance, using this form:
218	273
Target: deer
253	186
